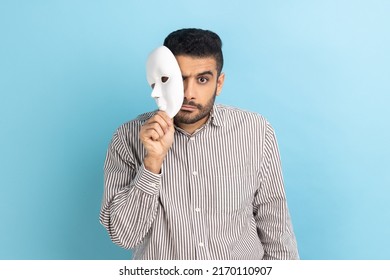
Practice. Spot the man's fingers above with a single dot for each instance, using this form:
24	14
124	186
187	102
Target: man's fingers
166	117
162	119
156	127
152	134
162	116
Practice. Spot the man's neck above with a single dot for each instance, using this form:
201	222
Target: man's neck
191	128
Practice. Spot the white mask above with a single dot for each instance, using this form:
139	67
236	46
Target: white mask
163	71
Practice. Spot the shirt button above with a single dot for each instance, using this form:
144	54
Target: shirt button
192	139
197	210
194	173
201	244
153	185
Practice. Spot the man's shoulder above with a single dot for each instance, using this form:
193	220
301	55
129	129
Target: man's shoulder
235	114
133	126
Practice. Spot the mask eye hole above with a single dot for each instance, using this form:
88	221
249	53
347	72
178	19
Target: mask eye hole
152	85
164	79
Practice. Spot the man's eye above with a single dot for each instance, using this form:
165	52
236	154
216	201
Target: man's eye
202	80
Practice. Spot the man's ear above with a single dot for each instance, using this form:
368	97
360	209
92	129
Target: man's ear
221	79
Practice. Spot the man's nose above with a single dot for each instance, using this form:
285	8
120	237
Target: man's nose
189	89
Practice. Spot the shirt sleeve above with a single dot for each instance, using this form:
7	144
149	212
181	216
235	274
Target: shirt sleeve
130	198
272	217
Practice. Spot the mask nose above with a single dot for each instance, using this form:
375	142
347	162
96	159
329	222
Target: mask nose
156	92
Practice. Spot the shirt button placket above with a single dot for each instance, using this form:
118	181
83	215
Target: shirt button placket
196	190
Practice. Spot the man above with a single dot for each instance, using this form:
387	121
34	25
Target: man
205	185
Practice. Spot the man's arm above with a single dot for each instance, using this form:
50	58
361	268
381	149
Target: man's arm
130	198
270	206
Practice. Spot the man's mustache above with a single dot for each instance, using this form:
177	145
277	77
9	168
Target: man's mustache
192	103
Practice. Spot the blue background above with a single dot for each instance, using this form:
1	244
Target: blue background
72	71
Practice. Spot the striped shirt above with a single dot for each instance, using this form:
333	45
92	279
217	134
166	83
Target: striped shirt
220	193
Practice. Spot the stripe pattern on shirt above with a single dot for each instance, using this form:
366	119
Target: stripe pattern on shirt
220	194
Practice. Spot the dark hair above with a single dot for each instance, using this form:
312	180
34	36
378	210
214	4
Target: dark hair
196	42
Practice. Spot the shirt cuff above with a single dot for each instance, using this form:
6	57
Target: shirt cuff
147	181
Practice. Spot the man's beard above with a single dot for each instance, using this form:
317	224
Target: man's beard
204	110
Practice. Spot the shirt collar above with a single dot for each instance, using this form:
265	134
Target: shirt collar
216	116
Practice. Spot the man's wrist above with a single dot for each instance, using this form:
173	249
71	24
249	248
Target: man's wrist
153	164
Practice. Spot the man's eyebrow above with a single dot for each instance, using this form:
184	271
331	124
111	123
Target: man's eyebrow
208	72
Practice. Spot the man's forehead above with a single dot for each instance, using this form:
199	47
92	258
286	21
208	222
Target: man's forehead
193	66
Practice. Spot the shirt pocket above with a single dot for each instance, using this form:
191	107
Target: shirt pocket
229	194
